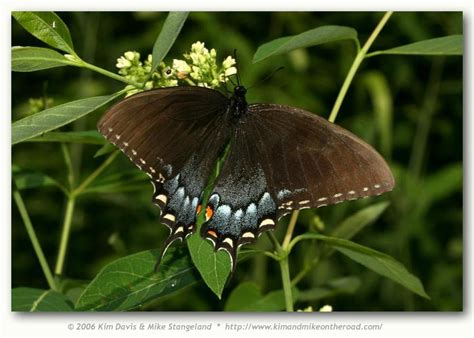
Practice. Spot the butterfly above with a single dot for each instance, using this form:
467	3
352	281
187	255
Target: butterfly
280	159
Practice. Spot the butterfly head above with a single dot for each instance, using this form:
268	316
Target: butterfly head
240	91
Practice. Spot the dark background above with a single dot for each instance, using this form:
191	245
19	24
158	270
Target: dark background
423	147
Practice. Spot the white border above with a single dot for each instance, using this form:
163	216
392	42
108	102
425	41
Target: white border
394	324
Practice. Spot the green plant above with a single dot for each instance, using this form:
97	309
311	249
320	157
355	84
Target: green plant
141	286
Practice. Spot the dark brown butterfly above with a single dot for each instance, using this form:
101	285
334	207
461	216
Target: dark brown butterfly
280	159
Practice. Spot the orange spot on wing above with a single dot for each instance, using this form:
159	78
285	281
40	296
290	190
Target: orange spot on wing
198	210
212	233
209	213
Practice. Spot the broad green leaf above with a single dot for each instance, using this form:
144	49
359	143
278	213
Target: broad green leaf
86	136
382	103
170	31
48	27
214	267
356	222
30	59
36	300
344	285
381	263
309	38
446	45
247	296
52	118
129	282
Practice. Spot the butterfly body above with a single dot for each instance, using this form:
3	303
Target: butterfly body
238	104
280	159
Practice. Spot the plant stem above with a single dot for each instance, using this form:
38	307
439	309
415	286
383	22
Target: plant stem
109	74
282	258
309	267
71	201
286	280
355	65
66	231
95	173
67	160
274	241
34	239
290	229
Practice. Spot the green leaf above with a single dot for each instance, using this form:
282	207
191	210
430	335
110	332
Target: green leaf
52	118
86	136
344	285
48	27
446	45
170	31
29	180
105	149
214	267
129	282
381	263
309	38
36	300
119	182
356	222
247	296
30	59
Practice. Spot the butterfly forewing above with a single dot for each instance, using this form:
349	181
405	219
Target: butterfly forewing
175	136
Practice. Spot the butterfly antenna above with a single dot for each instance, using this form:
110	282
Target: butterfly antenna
230	79
239	81
268	77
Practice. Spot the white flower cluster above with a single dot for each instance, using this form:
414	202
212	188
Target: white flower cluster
199	68
203	70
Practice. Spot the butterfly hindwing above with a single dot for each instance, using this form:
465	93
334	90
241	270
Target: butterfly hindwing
240	205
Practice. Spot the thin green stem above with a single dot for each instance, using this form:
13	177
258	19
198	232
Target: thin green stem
109	74
369	55
286	280
94	174
34	239
284	263
290	229
355	65
66	231
71	202
274	241
308	267
67	160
